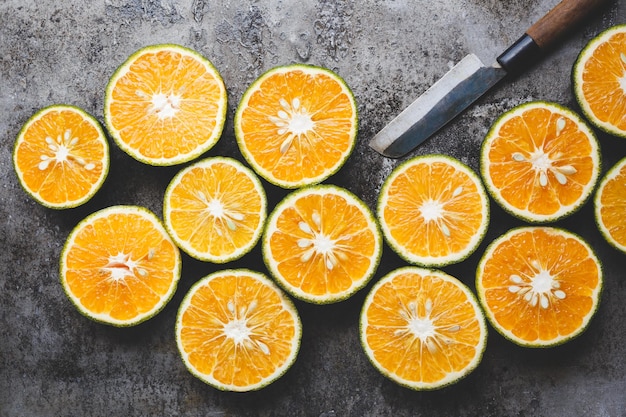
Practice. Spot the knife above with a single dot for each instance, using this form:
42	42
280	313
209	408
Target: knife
470	78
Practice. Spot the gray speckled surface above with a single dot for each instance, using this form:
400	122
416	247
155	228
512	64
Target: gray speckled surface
54	362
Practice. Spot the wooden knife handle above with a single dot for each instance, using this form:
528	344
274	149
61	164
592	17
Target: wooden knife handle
541	36
564	16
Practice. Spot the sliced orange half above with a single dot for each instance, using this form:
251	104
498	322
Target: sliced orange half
237	331
322	244
165	105
610	205
296	125
215	209
540	161
539	286
119	266
61	156
599	79
433	210
422	329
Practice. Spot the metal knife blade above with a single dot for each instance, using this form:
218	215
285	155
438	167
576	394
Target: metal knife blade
470	79
444	100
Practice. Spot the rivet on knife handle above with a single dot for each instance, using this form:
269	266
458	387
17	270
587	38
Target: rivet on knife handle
470	79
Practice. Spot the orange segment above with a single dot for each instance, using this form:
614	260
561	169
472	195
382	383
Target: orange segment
433	210
296	125
215	209
119	266
540	161
165	105
322	244
539	286
237	331
422	328
599	77
610	206
61	156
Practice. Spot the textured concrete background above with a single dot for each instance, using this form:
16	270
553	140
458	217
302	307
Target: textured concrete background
54	362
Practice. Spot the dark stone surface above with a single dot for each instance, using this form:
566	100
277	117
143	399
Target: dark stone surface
54	362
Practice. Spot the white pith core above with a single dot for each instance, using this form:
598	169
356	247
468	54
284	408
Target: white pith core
238	329
319	244
433	211
165	105
60	151
543	162
293	120
541	288
121	266
215	208
423	327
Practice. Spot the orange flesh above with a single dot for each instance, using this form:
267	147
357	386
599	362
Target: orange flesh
182	85
400	351
341	223
91	262
227	299
425	183
604	81
61	181
525	254
313	151
226	186
518	182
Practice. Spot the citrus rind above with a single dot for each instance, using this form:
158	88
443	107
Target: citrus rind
433	261
182	157
105	161
271	228
524	213
508	334
267	173
287	306
143	213
230	223
619	169
451	377
619	80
